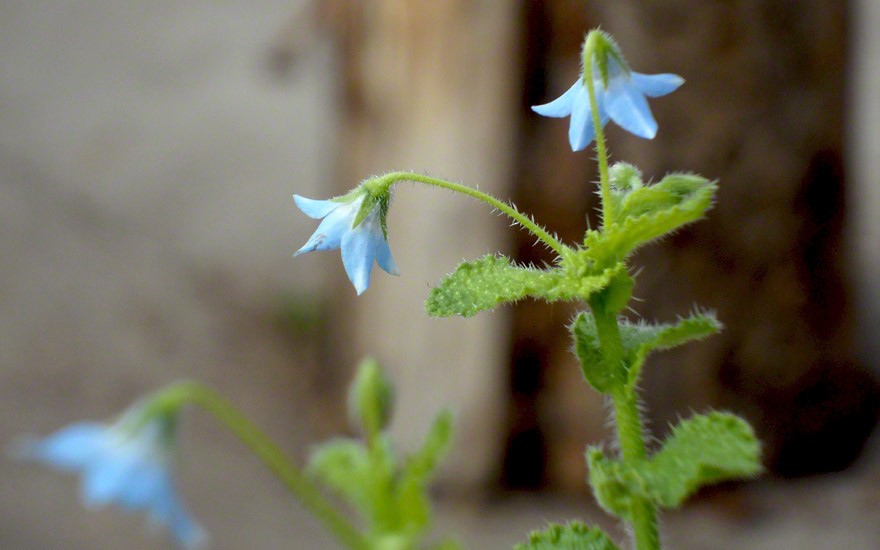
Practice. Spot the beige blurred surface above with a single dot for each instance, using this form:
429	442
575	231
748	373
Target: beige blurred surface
147	157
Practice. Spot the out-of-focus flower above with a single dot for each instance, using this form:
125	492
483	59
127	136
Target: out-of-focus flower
622	101
126	463
360	243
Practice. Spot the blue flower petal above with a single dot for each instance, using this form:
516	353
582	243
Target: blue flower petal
121	467
170	513
106	478
359	249
385	260
144	483
627	106
331	229
67	449
580	129
561	106
656	85
315	208
360	246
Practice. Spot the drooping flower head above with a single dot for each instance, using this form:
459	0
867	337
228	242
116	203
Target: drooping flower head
620	94
127	463
354	223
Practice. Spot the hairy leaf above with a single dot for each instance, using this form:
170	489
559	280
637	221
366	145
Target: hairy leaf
701	450
614	484
492	280
646	213
596	370
572	536
639	340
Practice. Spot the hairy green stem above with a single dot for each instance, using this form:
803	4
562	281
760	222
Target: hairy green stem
601	153
628	422
390	179
632	447
261	445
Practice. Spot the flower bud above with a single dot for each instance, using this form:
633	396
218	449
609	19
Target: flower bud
370	398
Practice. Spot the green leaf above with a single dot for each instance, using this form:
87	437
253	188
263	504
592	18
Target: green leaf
492	280
701	450
639	340
345	466
596	370
648	212
413	504
423	463
572	536
614	484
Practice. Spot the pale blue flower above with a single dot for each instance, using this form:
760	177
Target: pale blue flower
120	465
623	101
360	246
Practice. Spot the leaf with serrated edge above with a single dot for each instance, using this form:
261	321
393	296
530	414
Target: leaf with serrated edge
492	280
640	339
701	450
572	536
650	212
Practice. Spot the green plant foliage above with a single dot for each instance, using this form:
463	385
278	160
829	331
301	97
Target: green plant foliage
356	474
370	398
702	450
646	212
638	340
412	486
615	485
392	499
572	536
492	280
595	368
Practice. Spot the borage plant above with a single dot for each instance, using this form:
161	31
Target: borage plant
130	462
634	482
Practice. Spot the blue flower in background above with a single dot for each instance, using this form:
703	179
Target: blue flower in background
123	466
360	245
623	101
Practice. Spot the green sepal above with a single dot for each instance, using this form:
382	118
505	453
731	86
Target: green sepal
601	46
647	212
702	450
638	340
571	536
492	280
372	201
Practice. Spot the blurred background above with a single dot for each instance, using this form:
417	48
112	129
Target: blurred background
148	152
